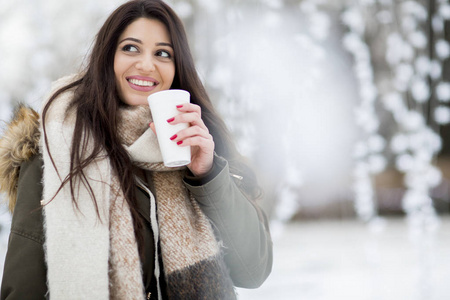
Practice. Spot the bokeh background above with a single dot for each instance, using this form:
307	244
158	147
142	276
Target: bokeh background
341	106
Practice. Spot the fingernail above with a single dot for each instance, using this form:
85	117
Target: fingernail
180	106
179	142
173	137
171	119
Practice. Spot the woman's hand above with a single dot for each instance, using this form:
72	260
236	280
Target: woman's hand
196	136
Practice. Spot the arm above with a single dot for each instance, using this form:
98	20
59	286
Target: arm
248	247
24	275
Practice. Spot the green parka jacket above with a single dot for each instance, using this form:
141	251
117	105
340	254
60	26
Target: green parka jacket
248	247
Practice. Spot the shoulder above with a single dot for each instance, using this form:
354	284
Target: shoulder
27	217
62	90
61	83
20	140
19	143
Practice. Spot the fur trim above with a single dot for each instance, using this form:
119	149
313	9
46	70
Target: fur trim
18	144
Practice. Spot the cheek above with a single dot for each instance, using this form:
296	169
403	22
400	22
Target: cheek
117	68
118	71
121	64
170	74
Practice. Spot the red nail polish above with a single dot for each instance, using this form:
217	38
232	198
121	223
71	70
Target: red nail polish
180	106
179	142
173	137
171	119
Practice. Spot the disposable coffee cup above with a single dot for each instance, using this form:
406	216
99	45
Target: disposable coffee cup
163	106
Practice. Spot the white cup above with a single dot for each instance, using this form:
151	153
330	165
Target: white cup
163	107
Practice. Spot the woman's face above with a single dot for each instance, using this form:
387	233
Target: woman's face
144	61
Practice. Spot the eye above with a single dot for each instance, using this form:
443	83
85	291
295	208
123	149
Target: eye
129	48
163	54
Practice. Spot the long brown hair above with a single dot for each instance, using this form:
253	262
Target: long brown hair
96	103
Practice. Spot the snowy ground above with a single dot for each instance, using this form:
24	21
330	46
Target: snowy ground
343	260
336	260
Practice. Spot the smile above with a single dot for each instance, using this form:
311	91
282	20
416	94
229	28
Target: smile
141	82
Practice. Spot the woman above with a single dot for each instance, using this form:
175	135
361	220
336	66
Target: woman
96	215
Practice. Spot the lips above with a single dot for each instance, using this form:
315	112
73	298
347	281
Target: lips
141	83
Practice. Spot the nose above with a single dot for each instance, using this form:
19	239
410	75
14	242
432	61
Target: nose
146	64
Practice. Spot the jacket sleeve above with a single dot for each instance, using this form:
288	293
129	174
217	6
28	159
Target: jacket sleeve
247	242
24	275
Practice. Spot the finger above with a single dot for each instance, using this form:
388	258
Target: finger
152	127
191	132
191	118
190	107
206	145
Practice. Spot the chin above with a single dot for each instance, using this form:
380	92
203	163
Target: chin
136	101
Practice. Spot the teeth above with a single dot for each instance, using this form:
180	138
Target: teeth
141	82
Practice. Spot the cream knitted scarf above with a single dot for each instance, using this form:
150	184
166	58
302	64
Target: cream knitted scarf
97	258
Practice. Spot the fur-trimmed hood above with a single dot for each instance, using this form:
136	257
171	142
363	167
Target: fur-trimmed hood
20	141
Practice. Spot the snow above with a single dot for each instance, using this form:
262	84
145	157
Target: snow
323	260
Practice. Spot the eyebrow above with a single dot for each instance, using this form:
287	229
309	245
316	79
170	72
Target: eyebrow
140	42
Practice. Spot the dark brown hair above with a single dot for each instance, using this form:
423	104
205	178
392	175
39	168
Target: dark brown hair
96	103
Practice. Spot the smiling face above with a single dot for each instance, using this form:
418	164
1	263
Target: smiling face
144	61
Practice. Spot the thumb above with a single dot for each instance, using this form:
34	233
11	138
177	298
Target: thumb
152	127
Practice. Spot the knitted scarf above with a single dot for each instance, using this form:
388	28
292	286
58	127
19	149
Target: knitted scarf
92	253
